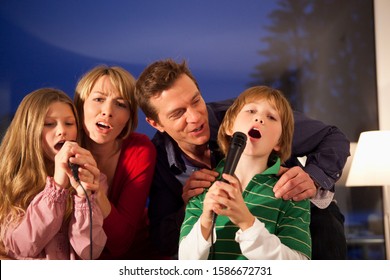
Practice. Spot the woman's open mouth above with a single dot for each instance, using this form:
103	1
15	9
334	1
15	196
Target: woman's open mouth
103	125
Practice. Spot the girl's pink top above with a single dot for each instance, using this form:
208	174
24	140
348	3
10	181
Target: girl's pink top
43	234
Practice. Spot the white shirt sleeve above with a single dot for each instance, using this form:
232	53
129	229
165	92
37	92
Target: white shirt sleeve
194	246
323	198
257	243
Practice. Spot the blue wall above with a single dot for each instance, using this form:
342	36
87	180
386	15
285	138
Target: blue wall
51	43
321	54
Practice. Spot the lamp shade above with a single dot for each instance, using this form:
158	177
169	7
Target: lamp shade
371	163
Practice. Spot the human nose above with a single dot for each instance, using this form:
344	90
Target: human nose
106	109
259	119
193	115
61	129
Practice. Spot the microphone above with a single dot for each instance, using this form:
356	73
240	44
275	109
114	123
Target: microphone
75	170
237	146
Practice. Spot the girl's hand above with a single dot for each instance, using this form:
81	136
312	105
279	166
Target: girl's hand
61	167
87	170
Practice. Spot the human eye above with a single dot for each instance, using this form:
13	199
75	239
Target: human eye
250	110
272	117
121	103
98	99
70	123
176	114
196	100
49	124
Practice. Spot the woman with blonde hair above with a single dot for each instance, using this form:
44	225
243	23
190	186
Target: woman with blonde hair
43	208
108	111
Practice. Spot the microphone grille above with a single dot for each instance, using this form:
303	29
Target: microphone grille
239	139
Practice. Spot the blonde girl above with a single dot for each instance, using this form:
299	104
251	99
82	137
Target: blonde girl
43	209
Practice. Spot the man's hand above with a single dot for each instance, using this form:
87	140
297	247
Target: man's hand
294	184
198	181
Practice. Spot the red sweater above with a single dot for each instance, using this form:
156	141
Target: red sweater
126	225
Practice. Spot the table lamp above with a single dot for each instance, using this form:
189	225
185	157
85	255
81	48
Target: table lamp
371	167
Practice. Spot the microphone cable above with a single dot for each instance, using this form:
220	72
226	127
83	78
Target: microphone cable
212	248
74	168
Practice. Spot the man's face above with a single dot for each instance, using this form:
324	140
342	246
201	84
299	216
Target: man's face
182	114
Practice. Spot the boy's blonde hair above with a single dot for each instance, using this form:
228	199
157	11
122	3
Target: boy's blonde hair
276	98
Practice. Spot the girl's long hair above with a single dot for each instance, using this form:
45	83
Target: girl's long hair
23	166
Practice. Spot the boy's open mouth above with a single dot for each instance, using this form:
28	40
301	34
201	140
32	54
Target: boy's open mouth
254	133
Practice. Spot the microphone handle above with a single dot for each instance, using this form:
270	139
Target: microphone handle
75	171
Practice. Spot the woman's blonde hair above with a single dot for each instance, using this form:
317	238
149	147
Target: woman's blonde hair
122	80
276	98
23	165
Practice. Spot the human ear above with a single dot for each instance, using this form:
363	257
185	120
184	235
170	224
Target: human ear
155	124
277	146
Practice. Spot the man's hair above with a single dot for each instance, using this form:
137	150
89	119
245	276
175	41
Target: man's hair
157	77
281	104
